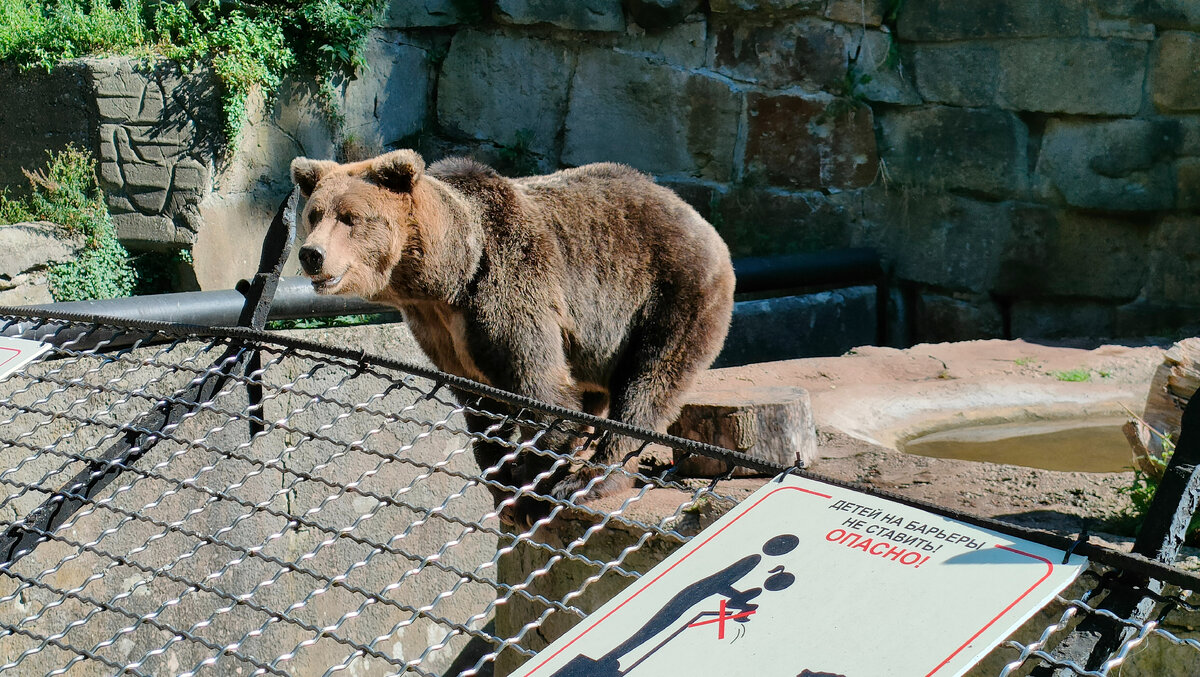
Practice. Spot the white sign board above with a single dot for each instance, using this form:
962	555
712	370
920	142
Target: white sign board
16	353
804	578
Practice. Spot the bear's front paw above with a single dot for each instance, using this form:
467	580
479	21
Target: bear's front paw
526	512
579	487
589	484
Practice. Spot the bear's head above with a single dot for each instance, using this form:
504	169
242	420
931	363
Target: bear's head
358	217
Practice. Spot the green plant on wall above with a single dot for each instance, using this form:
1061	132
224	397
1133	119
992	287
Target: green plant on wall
1141	492
849	95
248	43
518	158
244	52
41	32
66	193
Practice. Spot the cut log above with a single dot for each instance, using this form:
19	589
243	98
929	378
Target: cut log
1174	384
770	423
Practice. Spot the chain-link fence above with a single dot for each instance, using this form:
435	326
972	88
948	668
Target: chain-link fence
181	501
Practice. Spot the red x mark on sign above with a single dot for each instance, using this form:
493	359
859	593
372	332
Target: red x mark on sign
721	618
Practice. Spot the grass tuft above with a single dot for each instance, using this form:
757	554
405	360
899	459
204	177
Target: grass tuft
1073	375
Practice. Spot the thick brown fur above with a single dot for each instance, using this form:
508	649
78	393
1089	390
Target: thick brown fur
590	288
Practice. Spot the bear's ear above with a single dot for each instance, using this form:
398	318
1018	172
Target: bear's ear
398	171
306	173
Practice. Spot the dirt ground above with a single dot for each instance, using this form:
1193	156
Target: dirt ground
864	400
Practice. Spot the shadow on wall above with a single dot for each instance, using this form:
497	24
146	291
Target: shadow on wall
788	327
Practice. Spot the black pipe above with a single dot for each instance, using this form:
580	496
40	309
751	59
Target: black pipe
294	299
836	268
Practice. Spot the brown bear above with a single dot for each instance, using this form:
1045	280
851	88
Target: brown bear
590	288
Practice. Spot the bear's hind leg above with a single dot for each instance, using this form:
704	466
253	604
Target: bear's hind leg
665	356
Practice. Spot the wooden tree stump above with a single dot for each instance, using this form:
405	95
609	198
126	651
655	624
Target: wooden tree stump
1174	384
770	423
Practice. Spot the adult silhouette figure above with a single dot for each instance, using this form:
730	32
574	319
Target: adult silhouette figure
720	583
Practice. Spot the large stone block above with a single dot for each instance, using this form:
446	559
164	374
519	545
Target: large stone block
154	231
861	12
1074	254
1174	272
791	327
811	53
963	74
140	144
423	13
683	44
938	318
810	142
1121	28
1182	14
760	221
190	175
36	291
578	15
28	247
937	20
1083	76
1121	165
654	117
1100	77
505	89
156	93
390	100
127	90
1062	319
979	150
1176	74
935	238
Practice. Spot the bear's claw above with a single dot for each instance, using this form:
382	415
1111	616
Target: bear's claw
564	485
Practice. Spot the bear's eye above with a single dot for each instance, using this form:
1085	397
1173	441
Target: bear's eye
314	217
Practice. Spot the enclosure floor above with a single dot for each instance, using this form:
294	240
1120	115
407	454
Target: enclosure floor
854	395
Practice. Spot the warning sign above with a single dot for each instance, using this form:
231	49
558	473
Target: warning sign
16	353
804	578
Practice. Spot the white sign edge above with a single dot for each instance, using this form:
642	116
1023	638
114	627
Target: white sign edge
26	351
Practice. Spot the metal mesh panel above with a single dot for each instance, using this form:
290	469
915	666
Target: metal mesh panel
339	523
354	532
1154	637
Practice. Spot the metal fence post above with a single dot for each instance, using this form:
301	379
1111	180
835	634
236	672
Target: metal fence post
1164	528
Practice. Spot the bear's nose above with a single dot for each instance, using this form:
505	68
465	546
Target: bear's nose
312	259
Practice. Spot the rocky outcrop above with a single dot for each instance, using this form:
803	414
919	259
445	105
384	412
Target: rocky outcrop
27	251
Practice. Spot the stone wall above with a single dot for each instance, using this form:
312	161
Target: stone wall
1027	168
